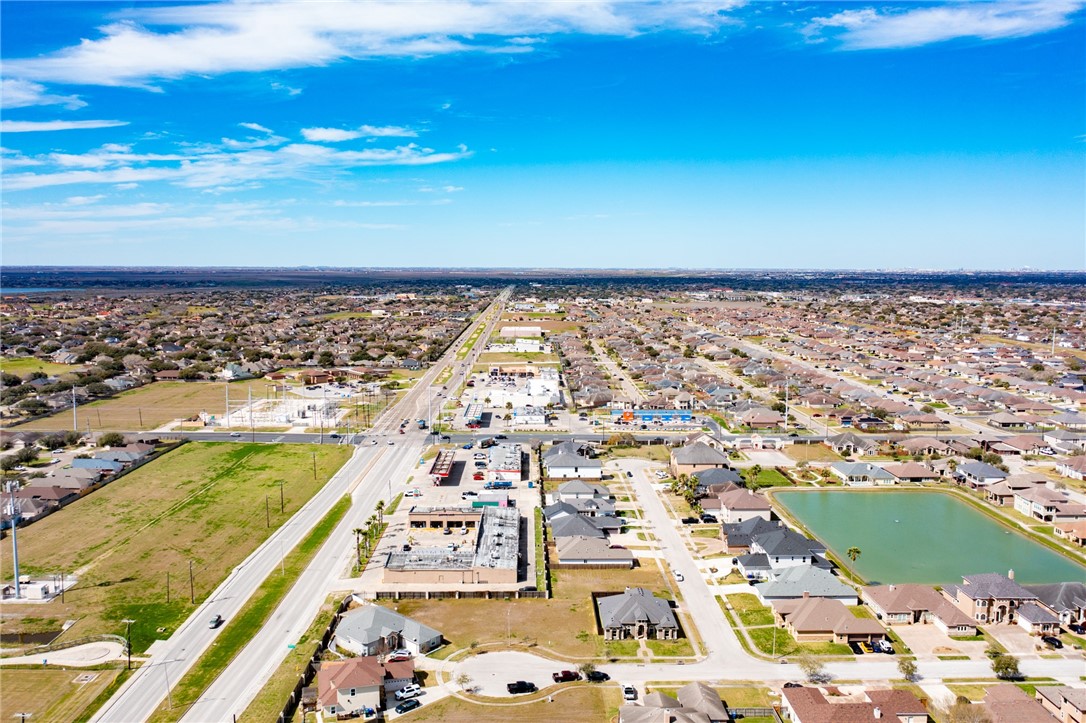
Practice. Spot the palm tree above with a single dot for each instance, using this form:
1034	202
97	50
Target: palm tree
358	531
380	512
753	473
852	553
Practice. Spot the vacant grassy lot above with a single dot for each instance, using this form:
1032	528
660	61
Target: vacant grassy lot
654	452
24	365
51	694
204	503
565	624
811	453
153	405
750	610
773	478
575	704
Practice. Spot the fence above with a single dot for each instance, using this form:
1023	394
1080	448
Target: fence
79	641
458	594
307	675
739	713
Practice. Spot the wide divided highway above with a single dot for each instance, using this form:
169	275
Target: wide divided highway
373	473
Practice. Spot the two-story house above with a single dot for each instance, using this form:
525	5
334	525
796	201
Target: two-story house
989	597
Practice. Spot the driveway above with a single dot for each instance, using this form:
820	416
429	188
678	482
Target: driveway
1015	639
928	641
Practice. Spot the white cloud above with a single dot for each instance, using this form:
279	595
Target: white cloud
868	28
83	200
336	135
156	43
218	169
16	93
452	189
10	126
256	127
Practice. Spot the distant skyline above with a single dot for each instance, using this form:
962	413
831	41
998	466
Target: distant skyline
727	135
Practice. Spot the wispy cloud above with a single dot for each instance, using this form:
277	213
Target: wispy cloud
336	135
868	28
224	168
157	43
10	126
15	93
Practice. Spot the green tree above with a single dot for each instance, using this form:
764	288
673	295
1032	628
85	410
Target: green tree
853	553
380	511
907	668
1005	667
111	439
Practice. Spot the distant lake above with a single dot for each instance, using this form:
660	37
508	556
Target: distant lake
923	536
15	292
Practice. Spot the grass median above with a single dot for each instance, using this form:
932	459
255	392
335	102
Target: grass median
239	631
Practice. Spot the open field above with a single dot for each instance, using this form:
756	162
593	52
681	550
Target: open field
565	624
152	406
812	453
200	503
653	452
254	614
582	703
51	694
25	365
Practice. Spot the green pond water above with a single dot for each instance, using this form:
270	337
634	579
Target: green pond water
922	536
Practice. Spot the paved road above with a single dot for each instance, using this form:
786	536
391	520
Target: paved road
146	689
383	478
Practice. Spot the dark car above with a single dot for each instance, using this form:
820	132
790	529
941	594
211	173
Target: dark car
1051	641
500	436
1077	629
406	547
856	648
446	438
629	474
792	685
596	676
706	517
519	687
469	445
408	705
690	520
566	676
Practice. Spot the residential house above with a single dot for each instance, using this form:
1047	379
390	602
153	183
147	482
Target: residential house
737	536
1066	599
592	552
911	472
1073	532
851	444
1064	703
989	597
1007	703
105	466
979	474
694	703
568	460
813	619
862	474
1048	505
912	604
579	490
1073	467
1002	493
351	687
372	629
793	582
810	705
739	504
697	457
1037	620
636	614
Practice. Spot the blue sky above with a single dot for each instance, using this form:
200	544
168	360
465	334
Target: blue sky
565	134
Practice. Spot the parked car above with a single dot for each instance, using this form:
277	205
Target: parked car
469	494
706	517
793	685
1077	629
478	476
866	647
629	693
520	686
1052	641
469	445
629	474
690	520
884	646
596	676
409	691
678	576
406	547
413	493
480	464
408	705
215	622
565	676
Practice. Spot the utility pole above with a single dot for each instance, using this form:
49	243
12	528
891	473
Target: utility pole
314	464
192	587
15	539
167	587
281	502
139	409
75	418
228	405
252	429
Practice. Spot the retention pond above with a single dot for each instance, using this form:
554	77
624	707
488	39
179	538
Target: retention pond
922	536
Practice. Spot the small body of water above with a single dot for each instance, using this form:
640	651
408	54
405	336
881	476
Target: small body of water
17	292
922	536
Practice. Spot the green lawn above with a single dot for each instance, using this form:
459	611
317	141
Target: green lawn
208	503
51	694
22	366
772	478
750	610
787	645
252	616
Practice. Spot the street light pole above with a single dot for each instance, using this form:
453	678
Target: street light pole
128	640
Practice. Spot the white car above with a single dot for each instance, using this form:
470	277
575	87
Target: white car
391	443
410	691
412	493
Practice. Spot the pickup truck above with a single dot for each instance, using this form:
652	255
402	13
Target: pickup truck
565	676
498	485
520	686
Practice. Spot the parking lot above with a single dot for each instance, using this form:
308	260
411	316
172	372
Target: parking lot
465	483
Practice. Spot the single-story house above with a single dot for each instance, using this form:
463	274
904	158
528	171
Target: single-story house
581	550
793	582
813	619
569	460
910	604
694	458
1037	620
372	629
810	705
979	474
911	472
862	474
636	614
